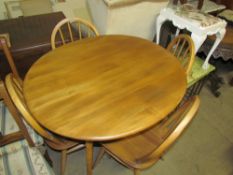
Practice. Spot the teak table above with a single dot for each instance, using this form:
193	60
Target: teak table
103	88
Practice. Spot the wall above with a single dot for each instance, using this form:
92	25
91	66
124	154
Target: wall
2	10
70	8
135	19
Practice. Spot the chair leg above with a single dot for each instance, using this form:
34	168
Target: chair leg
99	157
136	172
47	158
63	161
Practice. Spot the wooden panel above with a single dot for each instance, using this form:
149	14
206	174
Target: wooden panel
29	37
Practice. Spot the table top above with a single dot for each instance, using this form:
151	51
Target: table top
30	33
104	88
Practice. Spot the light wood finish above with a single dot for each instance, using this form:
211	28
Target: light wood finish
183	48
110	79
10	60
70	30
145	149
112	87
89	157
66	146
22	133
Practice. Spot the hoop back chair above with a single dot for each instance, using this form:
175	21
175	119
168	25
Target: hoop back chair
69	30
145	149
23	132
4	47
183	48
55	142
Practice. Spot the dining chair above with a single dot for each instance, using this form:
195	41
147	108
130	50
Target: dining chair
144	149
55	142
182	47
11	121
4	46
69	30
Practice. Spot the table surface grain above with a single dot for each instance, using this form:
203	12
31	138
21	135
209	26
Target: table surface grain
104	88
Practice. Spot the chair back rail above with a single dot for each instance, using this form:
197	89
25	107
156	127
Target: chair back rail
146	148
69	30
15	92
177	124
23	133
7	53
183	48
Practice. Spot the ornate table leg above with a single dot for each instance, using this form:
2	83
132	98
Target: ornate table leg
89	157
198	40
159	21
219	36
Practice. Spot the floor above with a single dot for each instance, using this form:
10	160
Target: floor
206	148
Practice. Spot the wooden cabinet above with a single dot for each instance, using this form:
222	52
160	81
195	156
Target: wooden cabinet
30	39
227	3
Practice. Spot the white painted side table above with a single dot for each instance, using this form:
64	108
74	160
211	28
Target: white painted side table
199	24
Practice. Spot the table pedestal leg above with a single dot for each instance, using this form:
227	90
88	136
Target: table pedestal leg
89	157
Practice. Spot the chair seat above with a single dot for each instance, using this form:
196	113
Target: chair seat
197	72
8	125
131	148
26	161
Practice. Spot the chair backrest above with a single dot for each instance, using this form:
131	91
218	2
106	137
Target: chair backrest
172	127
14	89
7	53
11	136
69	30
183	48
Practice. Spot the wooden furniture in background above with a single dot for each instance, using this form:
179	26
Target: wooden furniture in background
8	56
142	150
227	3
182	47
30	39
58	143
104	88
77	29
224	51
200	25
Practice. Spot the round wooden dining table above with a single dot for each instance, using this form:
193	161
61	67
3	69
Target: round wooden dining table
103	88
